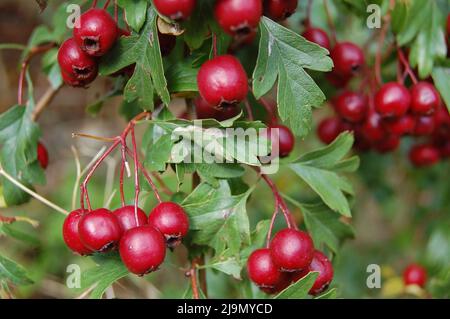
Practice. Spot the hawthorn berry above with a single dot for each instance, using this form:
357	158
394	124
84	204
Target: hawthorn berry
95	32
337	80
100	230
351	106
400	126
262	270
227	112
424	125
424	155
281	138
425	98
171	220
71	235
318	36
279	9
291	250
238	17
127	217
348	59
205	111
284	282
373	128
392	100
415	274
175	9
222	81
77	68
388	144
42	155
142	249
329	129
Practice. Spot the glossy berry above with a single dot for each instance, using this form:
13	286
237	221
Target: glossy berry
424	155
415	274
373	128
279	9
222	81
351	106
400	126
142	249
175	9
424	125
284	282
95	32
71	235
388	144
262	270
425	98
392	100
127	218
206	111
318	36
237	17
329	129
282	139
42	155
100	230
77	68
291	250
171	220
348	59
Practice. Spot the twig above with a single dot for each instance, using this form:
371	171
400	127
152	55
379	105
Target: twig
45	100
330	21
193	275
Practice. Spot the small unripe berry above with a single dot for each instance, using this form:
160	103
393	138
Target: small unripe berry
425	98
127	217
261	269
415	274
318	36
279	9
71	235
348	59
238	17
392	100
175	9
42	155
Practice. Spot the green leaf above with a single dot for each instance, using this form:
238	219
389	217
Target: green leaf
300	289
10	231
197	27
285	54
441	78
13	272
330	294
182	76
135	12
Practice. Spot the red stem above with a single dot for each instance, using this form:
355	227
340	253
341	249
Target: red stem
308	14
137	188
116	11
330	22
193	275
269	109
106	4
214	40
94	3
404	61
122	169
248	107
272	222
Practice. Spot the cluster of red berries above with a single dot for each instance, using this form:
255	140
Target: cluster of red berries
141	241
289	257
415	274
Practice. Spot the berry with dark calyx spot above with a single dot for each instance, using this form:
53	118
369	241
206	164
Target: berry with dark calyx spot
392	100
127	217
318	36
227	112
282	139
415	274
400	126
238	17
424	125
284	282
42	155
279	10
424	155
425	98
71	235
351	106
177	10
337	80
329	129
222	81
95	32
388	144
171	220
291	250
203	109
77	68
100	230
348	59
142	249
262	270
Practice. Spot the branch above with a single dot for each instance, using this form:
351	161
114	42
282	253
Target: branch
45	101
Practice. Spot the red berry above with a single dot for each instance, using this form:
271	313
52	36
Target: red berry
291	250
279	9
175	9
222	81
392	100
425	98
282	139
262	270
415	274
317	36
42	155
227	112
71	235
348	58
400	126
388	144
424	155
142	249
127	218
95	32
206	111
351	106
337	80
362	143
100	230
424	125
238	17
77	68
444	149
284	282
329	129
171	220
373	128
